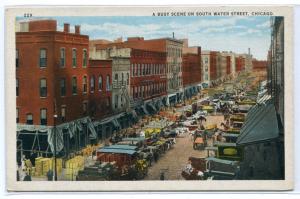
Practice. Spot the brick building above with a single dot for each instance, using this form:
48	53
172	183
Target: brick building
173	49
50	74
57	87
259	64
209	67
147	72
191	72
239	64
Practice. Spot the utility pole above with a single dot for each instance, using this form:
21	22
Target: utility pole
55	141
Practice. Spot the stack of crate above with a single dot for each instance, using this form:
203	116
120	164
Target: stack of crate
43	165
73	166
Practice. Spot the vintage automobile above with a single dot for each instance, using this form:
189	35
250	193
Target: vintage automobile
229	151
220	169
238	117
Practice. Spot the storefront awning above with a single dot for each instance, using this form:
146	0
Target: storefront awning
261	124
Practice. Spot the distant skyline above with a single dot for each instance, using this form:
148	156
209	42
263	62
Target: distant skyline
235	34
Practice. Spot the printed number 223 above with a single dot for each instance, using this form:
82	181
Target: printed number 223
27	15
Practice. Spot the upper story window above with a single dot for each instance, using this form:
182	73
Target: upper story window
17	87
43	58
127	79
107	82
74	85
84	84
100	83
63	113
62	87
122	79
17	58
84	58
132	69
29	118
116	77
92	82
43	116
17	115
43	87
74	57
62	57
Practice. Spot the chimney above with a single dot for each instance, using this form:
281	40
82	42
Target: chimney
66	27
249	51
77	29
173	35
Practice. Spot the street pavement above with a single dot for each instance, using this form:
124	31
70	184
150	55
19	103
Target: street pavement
174	160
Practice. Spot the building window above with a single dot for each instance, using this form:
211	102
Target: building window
84	58
74	58
132	70
63	113
17	87
84	107
63	87
62	57
43	116
43	58
17	58
127	79
122	79
107	82
29	118
116	77
100	84
84	84
43	88
74	85
116	101
92	84
17	115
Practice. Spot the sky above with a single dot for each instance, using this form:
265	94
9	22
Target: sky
229	33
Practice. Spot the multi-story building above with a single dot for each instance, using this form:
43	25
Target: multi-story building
148	80
57	90
120	58
209	67
191	70
173	49
239	64
259	65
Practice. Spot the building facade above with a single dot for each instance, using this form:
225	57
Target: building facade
120	58
58	63
191	72
209	67
263	143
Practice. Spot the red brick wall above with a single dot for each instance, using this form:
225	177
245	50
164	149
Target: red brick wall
213	65
148	57
43	25
29	74
228	65
191	68
100	99
259	65
239	64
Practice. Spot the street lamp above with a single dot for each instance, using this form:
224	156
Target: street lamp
55	140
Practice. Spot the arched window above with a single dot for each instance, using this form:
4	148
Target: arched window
107	82
100	83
